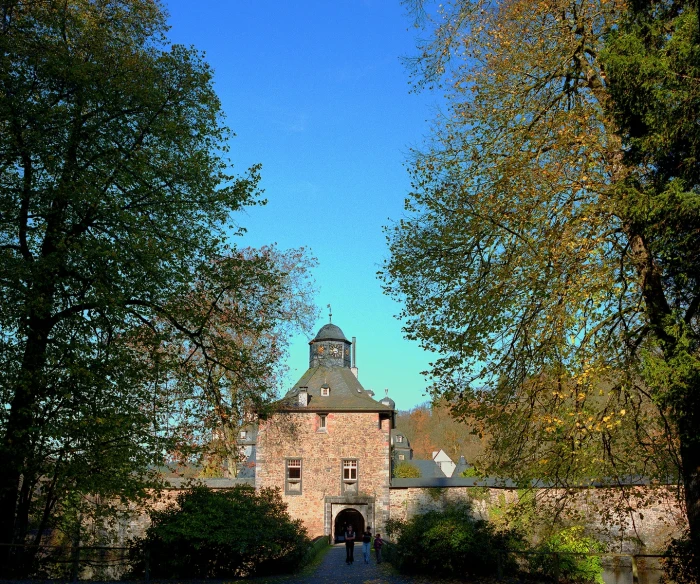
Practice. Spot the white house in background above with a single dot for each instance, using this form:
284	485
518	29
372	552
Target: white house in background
444	462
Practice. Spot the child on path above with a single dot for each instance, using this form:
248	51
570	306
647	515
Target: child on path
378	543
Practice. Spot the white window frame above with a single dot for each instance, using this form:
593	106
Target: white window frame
293	484
350	475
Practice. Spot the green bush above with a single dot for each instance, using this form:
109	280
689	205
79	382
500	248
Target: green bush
452	543
406	470
568	543
222	534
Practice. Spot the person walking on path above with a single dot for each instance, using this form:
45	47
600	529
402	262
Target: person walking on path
378	543
366	542
349	545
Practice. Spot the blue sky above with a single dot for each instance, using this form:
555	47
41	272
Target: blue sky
316	92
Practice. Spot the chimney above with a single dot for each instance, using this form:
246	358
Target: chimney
303	396
353	360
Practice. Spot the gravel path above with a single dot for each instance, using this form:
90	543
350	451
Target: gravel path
334	570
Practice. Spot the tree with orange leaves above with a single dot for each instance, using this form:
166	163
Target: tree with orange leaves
544	254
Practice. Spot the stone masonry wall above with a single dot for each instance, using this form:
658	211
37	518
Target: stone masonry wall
355	435
632	520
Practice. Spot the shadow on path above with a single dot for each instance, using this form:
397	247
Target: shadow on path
333	569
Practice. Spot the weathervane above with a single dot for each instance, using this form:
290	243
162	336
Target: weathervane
330	314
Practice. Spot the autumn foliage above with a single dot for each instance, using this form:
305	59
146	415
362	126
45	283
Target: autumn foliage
548	253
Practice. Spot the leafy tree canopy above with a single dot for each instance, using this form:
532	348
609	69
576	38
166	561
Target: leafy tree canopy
431	427
548	253
124	314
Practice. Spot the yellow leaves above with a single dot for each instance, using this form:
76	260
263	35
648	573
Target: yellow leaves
622	412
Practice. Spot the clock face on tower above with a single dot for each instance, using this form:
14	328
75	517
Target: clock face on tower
336	350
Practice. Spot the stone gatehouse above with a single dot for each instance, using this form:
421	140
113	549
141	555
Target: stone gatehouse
328	446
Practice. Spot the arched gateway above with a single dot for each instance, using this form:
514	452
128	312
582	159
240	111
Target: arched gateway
347	517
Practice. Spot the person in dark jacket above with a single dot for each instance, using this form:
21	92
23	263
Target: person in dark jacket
349	545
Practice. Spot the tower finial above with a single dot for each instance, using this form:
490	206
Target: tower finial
330	314
386	391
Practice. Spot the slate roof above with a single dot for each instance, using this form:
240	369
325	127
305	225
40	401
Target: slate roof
346	392
428	468
462	465
404	446
501	483
330	332
390	403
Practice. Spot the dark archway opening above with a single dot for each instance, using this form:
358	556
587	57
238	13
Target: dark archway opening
348	517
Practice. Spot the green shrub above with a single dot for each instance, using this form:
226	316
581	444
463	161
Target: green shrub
222	534
452	543
572	567
470	472
406	470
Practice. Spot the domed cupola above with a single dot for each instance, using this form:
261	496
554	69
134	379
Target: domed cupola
387	401
330	348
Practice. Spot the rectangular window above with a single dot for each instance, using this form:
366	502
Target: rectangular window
322	422
293	482
349	482
325	391
399	438
349	470
401	457
244	434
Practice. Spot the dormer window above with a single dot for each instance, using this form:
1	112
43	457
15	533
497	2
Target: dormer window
325	390
399	438
303	397
244	434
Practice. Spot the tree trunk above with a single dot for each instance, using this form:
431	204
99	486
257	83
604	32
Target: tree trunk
15	450
685	410
689	429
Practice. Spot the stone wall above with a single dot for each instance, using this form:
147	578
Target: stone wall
351	435
633	519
